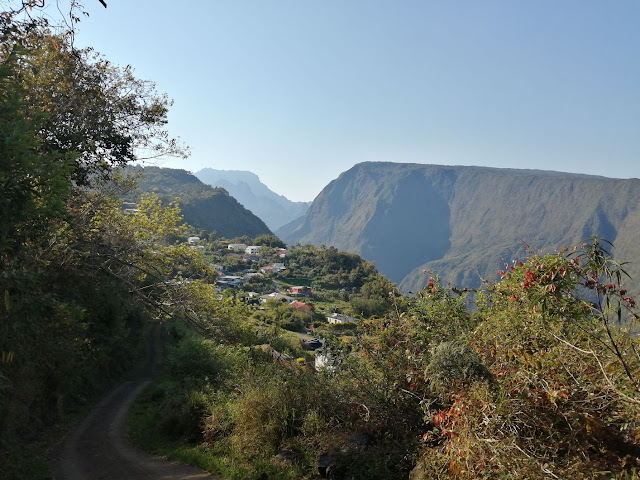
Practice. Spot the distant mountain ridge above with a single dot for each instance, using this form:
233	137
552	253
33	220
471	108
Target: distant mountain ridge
202	206
274	209
463	222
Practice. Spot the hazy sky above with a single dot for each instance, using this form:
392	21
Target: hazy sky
298	91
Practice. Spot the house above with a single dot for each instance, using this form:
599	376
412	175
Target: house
249	275
301	291
193	240
252	250
339	318
237	247
229	281
283	252
302	307
312	344
276	296
130	207
270	269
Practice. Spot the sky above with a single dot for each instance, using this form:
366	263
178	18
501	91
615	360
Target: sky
300	91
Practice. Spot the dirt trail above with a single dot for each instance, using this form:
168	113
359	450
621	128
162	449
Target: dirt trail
98	447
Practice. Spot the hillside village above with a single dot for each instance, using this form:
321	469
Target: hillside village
259	276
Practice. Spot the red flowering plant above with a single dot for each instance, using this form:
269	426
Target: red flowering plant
393	364
557	335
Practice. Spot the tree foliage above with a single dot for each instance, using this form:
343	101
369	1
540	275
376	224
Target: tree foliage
102	112
33	179
334	268
78	276
268	240
538	380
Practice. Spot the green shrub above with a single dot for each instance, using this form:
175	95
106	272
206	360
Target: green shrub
182	412
205	361
455	363
196	358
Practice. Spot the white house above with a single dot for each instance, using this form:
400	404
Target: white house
252	250
237	247
339	318
276	296
193	240
249	275
270	269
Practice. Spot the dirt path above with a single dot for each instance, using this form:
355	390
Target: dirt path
98	447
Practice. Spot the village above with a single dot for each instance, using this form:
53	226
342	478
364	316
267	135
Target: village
258	276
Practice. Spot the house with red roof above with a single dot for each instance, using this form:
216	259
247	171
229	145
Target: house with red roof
302	307
301	291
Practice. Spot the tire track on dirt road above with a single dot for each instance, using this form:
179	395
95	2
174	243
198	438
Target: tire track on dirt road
98	448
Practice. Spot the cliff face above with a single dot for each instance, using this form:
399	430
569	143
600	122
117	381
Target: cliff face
462	223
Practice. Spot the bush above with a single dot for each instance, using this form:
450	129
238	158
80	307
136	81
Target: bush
203	361
453	364
269	410
195	358
183	411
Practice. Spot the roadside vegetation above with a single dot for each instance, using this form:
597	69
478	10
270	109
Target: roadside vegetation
534	376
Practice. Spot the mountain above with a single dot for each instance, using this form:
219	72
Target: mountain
275	210
202	206
462	223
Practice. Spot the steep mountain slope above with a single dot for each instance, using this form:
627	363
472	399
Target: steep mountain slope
275	210
463	222
211	209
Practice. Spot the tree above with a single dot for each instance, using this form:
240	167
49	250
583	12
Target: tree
269	241
375	297
25	15
102	112
33	180
70	259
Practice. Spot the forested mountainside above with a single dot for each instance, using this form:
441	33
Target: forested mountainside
275	210
202	206
463	223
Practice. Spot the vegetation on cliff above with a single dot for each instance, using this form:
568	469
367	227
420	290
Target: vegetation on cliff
204	207
460	221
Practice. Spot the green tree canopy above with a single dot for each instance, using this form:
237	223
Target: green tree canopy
268	240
